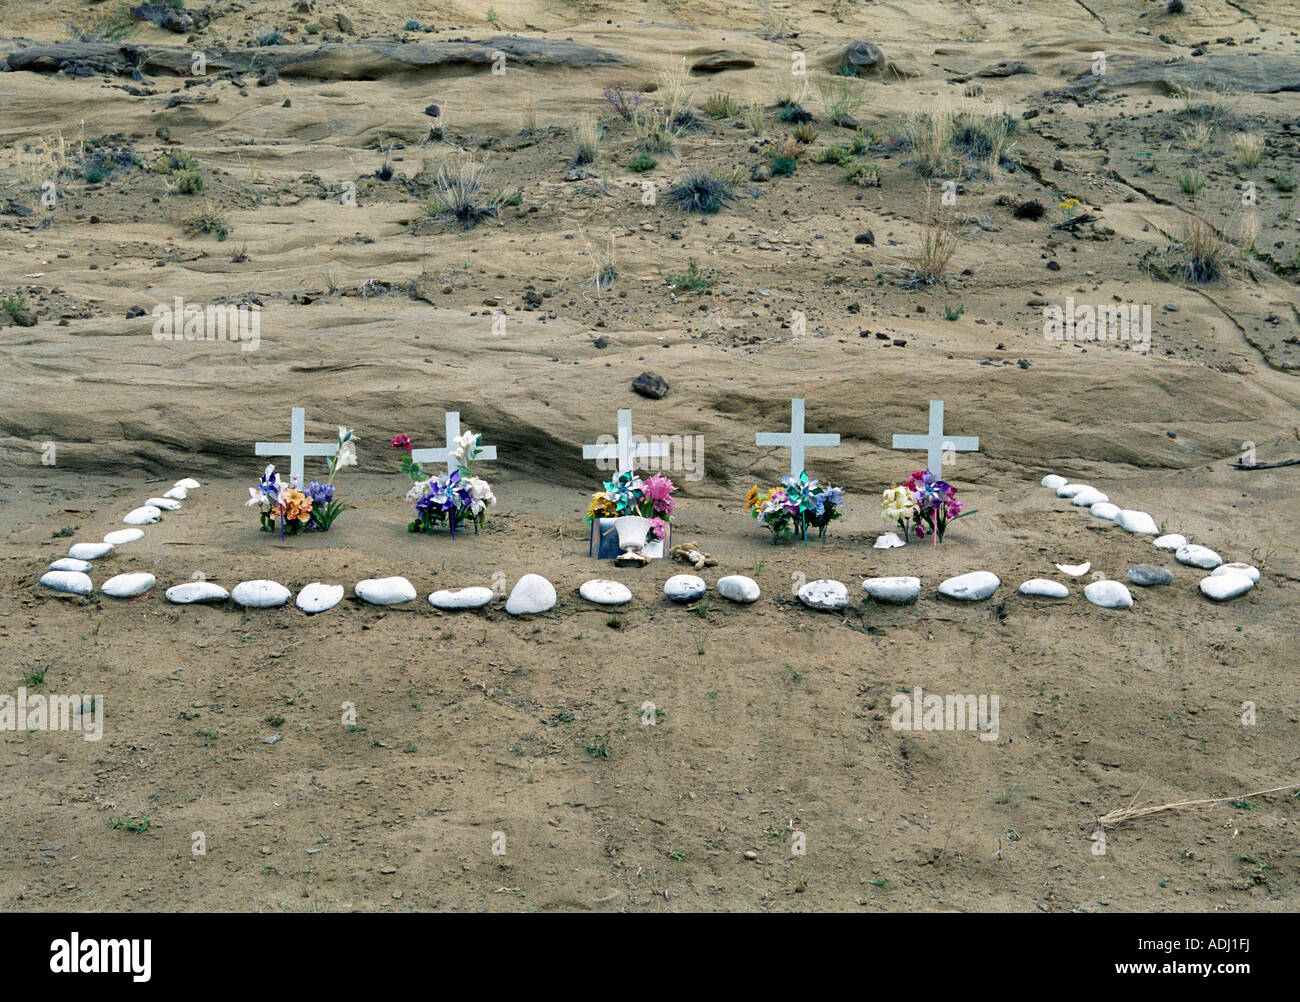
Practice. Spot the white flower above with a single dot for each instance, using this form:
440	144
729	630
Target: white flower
347	455
464	445
481	491
417	491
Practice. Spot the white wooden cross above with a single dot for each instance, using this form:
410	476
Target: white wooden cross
796	441
297	447
444	455
935	443
625	450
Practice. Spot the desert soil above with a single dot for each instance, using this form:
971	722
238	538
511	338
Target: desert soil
772	719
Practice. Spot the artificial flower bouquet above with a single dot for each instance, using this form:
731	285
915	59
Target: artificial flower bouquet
799	503
454	499
628	494
292	508
923	505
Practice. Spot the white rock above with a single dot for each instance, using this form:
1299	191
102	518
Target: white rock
1088	498
970	587
385	591
71	582
260	594
738	588
144	515
1108	594
824	594
1197	556
177	493
1222	587
1137	521
163	504
1053	481
531	594
463	598
604	592
1074	570
1172	541
317	597
1043	588
1104	509
128	585
124	536
1250	570
685	587
68	564
895	591
888	541
89	551
189	483
192	592
1070	490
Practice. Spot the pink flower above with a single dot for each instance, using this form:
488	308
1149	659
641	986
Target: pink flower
659	528
659	488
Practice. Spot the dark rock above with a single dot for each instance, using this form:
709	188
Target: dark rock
863	55
268	77
867	238
1053	266
601	342
1148	575
532	299
433	111
24	318
135	311
167	18
163	133
344	22
1006	68
760	173
652	385
716	62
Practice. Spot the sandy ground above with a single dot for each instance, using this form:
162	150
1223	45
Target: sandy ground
773	720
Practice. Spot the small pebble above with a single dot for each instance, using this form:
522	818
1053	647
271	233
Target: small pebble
1043	588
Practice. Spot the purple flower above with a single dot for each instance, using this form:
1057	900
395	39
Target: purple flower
320	494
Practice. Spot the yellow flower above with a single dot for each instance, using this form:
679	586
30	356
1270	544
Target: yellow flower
752	498
897	504
601	507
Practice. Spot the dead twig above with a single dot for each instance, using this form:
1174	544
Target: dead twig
1130	813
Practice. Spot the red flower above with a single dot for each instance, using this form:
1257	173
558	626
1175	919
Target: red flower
402	442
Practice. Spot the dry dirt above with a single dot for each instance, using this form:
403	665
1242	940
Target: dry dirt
773	719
